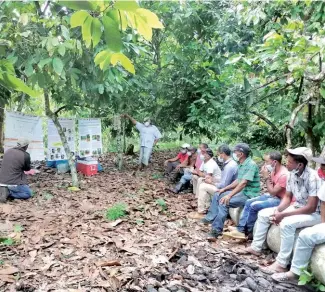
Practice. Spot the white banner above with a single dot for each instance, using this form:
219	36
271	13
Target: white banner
90	137
55	145
21	126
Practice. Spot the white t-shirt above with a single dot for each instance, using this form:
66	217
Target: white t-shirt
321	193
211	167
148	134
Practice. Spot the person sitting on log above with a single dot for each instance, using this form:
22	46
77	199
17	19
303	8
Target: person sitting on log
187	169
209	171
303	184
321	170
235	195
180	159
13	180
149	136
208	187
275	175
308	238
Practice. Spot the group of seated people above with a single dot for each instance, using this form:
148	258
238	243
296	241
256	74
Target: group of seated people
295	199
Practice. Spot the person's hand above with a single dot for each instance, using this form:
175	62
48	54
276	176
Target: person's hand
221	191
264	172
166	162
225	200
276	218
178	167
194	172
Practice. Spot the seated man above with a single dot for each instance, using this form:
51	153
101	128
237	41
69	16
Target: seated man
321	169
208	188
246	186
209	171
308	238
181	157
13	180
275	175
187	169
303	183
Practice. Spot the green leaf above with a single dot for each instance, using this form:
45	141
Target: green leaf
44	62
321	287
78	18
55	42
61	50
143	28
101	56
23	18
124	61
126	5
150	18
112	34
77	5
86	31
96	31
322	92
15	83
41	80
65	32
57	65
101	88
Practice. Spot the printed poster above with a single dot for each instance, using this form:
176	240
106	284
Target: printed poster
21	126
90	137
55	145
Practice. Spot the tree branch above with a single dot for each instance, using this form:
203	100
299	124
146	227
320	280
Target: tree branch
60	109
266	120
316	78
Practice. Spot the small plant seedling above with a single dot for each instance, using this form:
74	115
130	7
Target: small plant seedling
48	196
161	202
139	221
18	228
7	241
307	277
2	262
157	176
118	210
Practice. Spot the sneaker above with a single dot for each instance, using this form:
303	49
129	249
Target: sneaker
232	228
196	216
204	221
213	235
235	234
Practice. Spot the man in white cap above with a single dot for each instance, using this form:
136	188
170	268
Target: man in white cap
303	184
13	181
149	136
178	161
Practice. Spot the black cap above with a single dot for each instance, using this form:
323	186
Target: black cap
209	152
242	147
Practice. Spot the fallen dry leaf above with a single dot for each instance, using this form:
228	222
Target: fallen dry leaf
108	263
9	271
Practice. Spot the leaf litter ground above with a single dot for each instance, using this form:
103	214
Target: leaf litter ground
62	241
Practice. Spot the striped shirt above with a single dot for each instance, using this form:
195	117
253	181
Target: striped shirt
304	186
248	170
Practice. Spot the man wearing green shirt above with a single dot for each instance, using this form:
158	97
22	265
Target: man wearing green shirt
245	187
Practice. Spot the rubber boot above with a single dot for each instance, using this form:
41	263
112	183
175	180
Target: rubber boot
177	188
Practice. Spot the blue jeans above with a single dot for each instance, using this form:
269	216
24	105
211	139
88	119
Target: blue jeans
186	177
236	201
251	209
20	192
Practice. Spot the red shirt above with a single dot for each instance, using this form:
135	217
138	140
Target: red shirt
182	157
321	174
280	178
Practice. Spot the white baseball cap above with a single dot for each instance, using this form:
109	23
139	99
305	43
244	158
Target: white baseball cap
303	151
186	145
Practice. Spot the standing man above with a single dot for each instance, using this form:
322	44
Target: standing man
303	184
149	136
321	169
13	181
246	186
275	175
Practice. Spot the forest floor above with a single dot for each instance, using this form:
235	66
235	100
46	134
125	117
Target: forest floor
60	240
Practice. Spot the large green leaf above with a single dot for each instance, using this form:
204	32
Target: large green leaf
96	31
77	5
65	32
142	27
44	62
124	61
112	34
78	18
86	30
58	65
12	82
126	5
150	17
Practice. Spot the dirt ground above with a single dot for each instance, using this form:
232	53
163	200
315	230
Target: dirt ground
61	240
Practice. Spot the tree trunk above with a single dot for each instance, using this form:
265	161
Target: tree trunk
124	137
54	117
21	103
2	119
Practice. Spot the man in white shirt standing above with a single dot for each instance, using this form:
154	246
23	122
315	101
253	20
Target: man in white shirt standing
209	170
149	136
